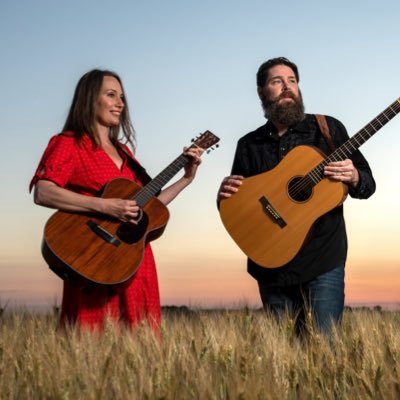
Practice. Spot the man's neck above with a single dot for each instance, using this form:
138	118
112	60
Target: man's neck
281	129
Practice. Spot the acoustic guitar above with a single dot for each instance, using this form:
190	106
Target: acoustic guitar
86	248
272	213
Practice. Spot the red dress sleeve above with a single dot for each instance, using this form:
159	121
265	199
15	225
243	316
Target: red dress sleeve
57	162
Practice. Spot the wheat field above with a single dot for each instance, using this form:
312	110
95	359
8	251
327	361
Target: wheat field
240	354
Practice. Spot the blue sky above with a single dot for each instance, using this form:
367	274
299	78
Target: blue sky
187	67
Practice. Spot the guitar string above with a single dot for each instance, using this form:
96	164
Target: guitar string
306	183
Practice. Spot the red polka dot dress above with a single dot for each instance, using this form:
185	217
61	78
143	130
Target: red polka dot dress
85	169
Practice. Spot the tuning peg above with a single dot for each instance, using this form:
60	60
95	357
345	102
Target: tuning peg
212	148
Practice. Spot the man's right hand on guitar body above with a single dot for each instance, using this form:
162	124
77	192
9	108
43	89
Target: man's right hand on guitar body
229	186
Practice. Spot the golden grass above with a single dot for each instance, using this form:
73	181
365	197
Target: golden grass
203	355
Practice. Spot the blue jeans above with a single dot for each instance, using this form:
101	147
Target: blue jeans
323	296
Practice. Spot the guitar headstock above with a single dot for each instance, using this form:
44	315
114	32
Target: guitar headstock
206	140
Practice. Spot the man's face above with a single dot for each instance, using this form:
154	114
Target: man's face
280	96
281	85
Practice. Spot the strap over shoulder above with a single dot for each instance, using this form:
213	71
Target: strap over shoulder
324	128
140	172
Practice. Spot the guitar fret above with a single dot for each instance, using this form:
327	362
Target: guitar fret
341	152
385	119
353	146
355	139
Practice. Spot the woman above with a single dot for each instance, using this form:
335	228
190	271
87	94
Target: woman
72	172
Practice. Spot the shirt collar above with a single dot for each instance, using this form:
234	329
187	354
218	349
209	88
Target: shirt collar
305	126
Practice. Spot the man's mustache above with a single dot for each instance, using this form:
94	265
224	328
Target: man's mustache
267	102
286	94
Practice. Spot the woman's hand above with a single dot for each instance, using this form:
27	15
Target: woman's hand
195	160
343	171
124	210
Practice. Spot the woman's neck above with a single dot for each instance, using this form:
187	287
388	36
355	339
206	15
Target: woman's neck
102	135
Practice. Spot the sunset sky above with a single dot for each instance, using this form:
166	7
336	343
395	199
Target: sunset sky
187	67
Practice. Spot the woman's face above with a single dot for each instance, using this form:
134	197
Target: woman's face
110	102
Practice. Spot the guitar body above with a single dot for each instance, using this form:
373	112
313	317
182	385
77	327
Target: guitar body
82	247
268	242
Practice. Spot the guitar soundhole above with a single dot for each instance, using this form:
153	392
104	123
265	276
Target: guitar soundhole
300	189
130	233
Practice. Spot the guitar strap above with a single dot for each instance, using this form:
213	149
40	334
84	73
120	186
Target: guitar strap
324	128
139	171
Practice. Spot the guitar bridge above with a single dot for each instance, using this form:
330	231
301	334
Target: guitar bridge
99	231
271	212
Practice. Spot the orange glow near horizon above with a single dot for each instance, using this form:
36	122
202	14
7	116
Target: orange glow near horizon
213	282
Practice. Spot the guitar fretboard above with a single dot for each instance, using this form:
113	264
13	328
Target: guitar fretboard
351	145
151	189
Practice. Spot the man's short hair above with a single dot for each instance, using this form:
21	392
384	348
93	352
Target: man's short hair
262	72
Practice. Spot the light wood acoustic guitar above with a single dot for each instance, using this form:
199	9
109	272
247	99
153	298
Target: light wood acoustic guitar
272	213
86	248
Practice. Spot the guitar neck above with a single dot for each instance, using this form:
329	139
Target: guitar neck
205	141
156	184
351	145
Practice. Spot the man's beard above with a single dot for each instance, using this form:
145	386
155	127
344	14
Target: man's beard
287	114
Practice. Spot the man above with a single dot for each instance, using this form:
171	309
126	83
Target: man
314	279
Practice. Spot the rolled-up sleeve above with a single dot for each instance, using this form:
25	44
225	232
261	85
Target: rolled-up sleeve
57	162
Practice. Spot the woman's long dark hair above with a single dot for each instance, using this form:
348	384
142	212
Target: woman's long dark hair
82	113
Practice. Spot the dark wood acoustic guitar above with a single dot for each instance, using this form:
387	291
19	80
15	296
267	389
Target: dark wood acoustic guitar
272	213
86	248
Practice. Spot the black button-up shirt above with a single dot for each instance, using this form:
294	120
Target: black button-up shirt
326	245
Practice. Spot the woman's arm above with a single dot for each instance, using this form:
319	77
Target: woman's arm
48	194
168	194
